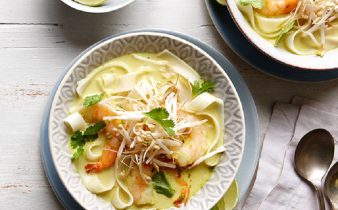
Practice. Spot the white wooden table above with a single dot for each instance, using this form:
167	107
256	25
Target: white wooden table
38	38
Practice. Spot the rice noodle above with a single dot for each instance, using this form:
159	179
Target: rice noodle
183	125
207	156
152	61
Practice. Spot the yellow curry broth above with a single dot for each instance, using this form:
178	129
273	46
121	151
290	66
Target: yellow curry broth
195	177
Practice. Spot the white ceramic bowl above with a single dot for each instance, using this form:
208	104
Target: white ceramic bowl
108	6
152	42
311	62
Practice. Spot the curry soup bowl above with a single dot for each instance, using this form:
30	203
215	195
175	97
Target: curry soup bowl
152	42
304	62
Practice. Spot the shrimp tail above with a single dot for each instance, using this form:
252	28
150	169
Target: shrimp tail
93	167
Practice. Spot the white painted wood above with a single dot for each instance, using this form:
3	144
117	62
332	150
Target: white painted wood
38	38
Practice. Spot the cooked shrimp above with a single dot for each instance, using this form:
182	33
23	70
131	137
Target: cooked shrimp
108	157
96	113
142	192
195	146
278	7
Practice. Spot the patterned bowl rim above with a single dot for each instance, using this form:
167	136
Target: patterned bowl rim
108	40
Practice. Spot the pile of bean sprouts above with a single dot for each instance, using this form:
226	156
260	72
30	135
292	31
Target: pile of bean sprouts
316	15
143	141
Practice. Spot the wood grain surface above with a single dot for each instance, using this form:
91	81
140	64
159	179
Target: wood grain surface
38	38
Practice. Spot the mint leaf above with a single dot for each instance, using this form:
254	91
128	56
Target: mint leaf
91	100
285	29
79	139
161	115
161	185
200	87
258	4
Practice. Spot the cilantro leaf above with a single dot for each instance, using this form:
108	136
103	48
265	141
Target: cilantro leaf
285	29
79	139
91	100
258	4
79	151
90	137
200	87
76	140
94	129
161	115
161	185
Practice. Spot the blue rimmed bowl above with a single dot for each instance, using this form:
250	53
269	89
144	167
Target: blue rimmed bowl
152	42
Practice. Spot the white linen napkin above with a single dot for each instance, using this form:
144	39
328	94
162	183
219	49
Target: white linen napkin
277	185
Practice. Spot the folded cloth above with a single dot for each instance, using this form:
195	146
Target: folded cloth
277	185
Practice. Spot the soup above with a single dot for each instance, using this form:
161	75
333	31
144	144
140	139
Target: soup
145	131
302	27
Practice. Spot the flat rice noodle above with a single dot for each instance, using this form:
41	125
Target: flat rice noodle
111	66
141	90
96	182
150	61
268	27
201	105
184	89
179	66
122	198
290	43
122	83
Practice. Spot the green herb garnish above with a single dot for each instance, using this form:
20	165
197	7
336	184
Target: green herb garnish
200	87
79	151
76	140
91	100
79	139
286	28
258	4
161	115
161	185
94	129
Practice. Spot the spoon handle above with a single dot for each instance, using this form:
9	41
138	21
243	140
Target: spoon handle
320	197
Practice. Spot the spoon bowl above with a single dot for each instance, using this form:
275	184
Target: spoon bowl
313	158
331	186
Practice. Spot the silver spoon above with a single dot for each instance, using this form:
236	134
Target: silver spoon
331	186
313	156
